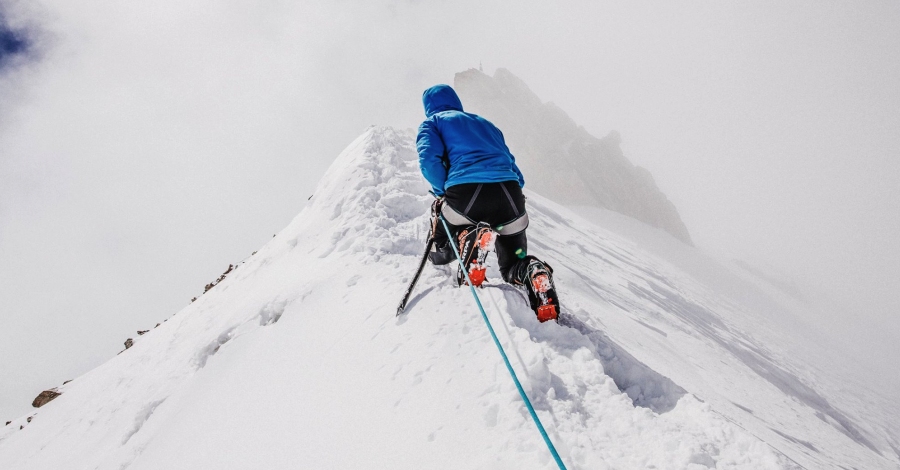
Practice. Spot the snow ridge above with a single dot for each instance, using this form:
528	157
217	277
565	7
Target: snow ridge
296	360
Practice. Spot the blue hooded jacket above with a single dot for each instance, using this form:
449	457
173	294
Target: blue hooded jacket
456	147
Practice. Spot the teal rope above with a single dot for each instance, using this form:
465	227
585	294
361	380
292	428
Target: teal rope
537	421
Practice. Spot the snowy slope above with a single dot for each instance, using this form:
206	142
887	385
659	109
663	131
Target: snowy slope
296	360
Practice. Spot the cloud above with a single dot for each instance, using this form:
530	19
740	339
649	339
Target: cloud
144	146
19	37
13	42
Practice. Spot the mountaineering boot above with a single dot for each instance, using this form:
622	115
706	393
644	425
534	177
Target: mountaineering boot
542	296
441	253
474	243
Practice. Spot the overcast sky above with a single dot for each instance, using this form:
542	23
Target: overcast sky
144	146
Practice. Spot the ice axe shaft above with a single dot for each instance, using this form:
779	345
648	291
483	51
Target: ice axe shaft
435	210
412	283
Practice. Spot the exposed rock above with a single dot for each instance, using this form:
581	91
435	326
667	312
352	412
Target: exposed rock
142	332
7	423
129	343
560	159
67	381
45	397
29	419
221	278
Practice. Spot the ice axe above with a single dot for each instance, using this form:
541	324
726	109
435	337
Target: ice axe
435	212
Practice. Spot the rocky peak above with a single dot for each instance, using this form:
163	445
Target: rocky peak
560	159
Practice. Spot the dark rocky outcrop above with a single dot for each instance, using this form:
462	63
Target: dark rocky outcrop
45	397
560	159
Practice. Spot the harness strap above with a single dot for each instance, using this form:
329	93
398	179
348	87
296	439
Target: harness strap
512	227
454	217
509	198
472	201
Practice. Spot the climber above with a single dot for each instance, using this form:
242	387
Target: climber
479	189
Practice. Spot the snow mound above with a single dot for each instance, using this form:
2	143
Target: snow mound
296	359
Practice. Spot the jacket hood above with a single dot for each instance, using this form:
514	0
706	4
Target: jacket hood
440	98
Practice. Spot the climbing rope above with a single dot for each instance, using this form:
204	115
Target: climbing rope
512	373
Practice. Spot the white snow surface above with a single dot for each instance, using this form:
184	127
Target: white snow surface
296	360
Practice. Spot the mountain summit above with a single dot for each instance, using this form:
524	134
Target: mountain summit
296	360
563	161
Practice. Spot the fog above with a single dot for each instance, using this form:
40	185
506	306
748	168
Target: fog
145	146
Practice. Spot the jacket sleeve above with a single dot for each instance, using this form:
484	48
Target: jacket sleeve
431	156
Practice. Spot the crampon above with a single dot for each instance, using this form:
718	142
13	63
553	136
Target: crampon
541	291
475	243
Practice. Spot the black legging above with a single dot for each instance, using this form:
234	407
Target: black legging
495	206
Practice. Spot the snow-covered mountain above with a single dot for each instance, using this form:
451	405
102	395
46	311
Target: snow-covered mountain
296	359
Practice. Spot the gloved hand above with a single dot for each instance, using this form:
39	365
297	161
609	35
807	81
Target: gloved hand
435	213
436	205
